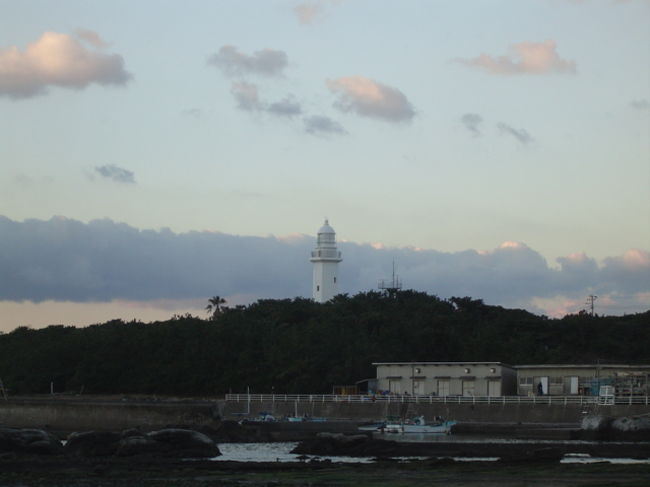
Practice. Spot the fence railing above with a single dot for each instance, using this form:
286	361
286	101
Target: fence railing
496	400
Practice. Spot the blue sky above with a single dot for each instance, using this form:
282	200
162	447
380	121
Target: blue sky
445	126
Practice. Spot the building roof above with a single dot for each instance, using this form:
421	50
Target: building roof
326	228
442	363
582	366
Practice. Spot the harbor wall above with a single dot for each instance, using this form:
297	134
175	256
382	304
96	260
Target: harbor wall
482	413
105	414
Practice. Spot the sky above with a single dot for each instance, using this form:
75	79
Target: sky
156	153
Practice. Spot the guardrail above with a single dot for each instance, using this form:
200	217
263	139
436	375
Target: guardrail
496	400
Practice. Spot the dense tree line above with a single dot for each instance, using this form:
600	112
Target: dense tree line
302	346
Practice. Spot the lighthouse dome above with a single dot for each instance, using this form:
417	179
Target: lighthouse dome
326	228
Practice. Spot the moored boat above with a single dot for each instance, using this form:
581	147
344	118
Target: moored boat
418	425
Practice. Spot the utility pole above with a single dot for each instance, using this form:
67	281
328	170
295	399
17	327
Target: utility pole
590	302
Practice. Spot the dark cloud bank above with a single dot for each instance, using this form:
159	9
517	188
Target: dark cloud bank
63	259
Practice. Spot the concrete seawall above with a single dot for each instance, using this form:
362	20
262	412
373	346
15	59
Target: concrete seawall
486	413
104	414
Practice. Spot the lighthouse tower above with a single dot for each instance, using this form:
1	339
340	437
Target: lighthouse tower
326	262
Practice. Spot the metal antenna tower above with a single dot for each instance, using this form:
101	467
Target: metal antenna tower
590	302
391	287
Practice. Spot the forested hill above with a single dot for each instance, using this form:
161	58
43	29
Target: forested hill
300	346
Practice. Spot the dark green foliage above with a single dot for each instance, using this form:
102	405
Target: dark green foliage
290	346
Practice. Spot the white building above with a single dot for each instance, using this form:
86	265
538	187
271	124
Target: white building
325	258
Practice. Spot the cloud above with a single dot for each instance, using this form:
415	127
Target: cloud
520	134
104	261
526	58
232	62
248	99
321	125
640	104
308	12
369	98
57	60
471	121
193	112
246	95
115	173
92	38
287	107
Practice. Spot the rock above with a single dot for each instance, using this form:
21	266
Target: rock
29	441
337	444
623	428
596	423
635	424
138	445
93	443
184	443
178	443
131	432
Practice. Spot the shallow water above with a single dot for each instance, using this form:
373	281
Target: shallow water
271	452
281	452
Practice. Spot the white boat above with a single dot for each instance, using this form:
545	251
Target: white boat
418	425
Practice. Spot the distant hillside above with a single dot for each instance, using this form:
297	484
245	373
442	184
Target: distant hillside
300	346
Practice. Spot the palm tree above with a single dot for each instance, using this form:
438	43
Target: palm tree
215	307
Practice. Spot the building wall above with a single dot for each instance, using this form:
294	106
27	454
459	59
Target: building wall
325	279
577	379
447	379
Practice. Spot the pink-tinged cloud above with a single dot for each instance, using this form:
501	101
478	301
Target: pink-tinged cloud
308	12
526	58
312	10
57	60
369	98
246	95
636	259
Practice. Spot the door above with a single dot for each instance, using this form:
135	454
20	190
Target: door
540	385
394	386
573	385
443	387
468	388
494	388
418	387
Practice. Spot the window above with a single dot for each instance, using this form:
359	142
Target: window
334	278
526	381
317	288
556	380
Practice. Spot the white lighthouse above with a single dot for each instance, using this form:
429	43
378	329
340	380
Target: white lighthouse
326	260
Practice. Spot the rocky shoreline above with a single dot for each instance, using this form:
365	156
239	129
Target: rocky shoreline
135	457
